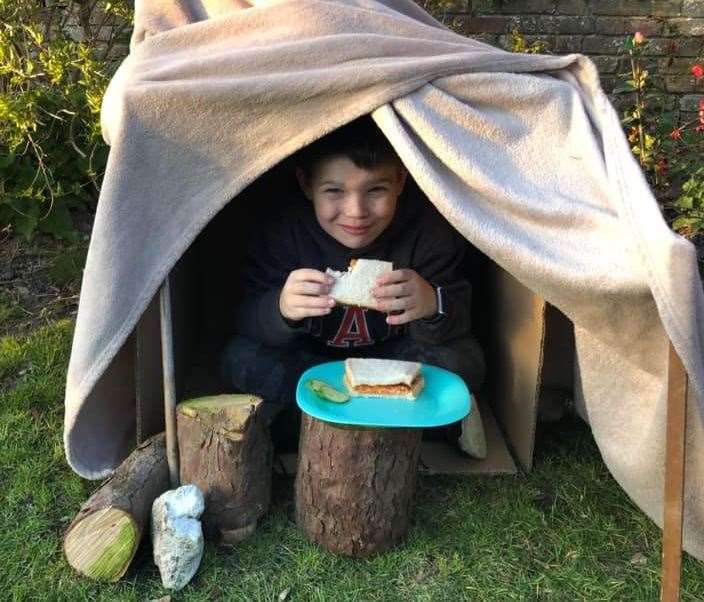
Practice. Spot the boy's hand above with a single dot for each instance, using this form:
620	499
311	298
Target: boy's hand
405	291
305	294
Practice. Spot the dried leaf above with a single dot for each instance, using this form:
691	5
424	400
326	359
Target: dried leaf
638	559
284	594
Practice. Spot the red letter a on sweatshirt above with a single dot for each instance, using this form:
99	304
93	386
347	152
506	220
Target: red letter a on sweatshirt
353	331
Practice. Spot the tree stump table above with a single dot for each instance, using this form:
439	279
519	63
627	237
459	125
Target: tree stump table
225	449
355	485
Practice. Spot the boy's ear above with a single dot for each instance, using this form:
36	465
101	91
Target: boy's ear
303	183
402	175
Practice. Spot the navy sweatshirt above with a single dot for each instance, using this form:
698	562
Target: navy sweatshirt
418	237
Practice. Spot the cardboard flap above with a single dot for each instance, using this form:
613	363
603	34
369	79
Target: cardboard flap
440	458
149	388
515	358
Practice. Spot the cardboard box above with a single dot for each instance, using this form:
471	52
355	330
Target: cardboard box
528	345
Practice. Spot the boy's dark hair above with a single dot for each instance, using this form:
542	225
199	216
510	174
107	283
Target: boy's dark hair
361	141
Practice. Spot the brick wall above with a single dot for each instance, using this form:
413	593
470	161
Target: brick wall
596	28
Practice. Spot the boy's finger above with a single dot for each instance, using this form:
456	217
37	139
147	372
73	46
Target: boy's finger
393	277
402	318
401	303
311	275
308	302
392	290
310	288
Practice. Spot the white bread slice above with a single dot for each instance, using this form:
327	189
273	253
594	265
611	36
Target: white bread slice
354	287
373	377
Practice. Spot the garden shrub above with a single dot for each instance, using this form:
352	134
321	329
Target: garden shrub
54	67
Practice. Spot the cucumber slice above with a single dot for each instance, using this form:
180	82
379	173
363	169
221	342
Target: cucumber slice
325	391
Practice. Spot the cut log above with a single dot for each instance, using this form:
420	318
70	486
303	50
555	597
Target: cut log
355	486
225	449
103	538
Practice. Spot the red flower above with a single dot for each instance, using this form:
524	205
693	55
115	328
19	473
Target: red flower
676	134
698	71
699	128
638	38
661	165
701	104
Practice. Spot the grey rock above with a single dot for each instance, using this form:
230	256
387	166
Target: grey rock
177	535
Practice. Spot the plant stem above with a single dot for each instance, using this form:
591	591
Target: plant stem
641	138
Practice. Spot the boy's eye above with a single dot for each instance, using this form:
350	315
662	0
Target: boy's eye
333	191
378	189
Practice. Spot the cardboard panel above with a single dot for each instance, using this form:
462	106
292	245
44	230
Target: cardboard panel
515	358
439	458
148	373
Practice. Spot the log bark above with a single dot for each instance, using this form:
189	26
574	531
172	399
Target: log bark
355	486
225	449
103	538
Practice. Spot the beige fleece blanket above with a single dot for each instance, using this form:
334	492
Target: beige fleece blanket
523	154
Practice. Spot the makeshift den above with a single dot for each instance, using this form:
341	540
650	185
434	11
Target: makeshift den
523	154
528	343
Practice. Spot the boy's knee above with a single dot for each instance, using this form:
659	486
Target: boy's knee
237	353
462	356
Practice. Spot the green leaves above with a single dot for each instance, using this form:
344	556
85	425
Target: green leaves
691	205
51	88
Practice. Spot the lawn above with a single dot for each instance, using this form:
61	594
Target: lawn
565	531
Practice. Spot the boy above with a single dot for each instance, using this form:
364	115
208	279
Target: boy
353	206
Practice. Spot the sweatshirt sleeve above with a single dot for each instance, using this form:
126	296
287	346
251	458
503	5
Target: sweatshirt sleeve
270	258
438	258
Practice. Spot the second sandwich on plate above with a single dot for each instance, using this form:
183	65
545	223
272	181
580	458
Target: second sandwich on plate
371	377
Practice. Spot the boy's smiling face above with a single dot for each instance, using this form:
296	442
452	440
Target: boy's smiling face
354	205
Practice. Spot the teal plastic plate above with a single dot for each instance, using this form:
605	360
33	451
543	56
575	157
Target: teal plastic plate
444	399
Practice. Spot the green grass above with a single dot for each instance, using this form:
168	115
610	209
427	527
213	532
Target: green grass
564	532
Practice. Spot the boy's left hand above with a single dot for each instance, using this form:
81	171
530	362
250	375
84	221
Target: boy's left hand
405	291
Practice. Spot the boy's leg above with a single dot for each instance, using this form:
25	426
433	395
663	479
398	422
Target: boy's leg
463	356
271	373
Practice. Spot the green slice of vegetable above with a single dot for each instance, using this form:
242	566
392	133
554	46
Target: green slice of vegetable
325	391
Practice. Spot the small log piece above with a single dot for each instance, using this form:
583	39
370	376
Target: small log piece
103	538
225	449
354	486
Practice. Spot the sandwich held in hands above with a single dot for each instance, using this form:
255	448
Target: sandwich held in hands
375	284
371	377
372	283
354	287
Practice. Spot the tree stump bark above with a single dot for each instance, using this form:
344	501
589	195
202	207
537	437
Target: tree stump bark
103	538
225	449
354	486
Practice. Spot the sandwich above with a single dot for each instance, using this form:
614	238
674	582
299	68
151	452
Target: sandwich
368	377
354	287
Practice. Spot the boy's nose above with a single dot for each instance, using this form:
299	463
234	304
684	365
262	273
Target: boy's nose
355	207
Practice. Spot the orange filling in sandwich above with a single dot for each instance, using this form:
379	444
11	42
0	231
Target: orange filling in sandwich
395	389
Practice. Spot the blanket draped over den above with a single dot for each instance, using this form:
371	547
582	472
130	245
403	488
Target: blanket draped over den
523	154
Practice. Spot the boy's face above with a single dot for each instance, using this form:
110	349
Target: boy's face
352	204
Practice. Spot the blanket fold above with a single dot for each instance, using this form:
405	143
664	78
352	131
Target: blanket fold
523	154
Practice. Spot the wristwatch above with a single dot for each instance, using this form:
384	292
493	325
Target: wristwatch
441	308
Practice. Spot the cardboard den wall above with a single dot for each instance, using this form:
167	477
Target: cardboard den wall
527	343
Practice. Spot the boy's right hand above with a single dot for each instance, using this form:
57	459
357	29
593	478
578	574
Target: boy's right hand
305	294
